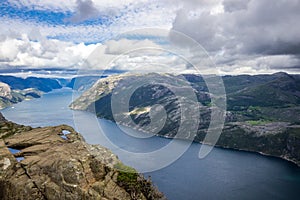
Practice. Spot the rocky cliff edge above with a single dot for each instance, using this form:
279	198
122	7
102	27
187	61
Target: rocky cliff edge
56	163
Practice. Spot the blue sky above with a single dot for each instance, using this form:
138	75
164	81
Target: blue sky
62	34
109	18
29	14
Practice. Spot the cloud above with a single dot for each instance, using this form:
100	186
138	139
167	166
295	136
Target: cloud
136	55
245	29
242	36
88	21
85	10
124	45
203	29
44	52
69	5
235	5
271	31
58	6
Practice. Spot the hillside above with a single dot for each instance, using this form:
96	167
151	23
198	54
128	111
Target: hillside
16	89
42	84
263	111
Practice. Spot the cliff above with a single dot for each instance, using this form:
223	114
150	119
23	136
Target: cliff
56	163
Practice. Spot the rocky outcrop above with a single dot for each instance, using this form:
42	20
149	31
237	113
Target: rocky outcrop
5	91
56	163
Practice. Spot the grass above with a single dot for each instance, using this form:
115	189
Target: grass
124	168
258	122
127	176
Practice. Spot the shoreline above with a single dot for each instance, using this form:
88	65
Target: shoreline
283	158
241	150
29	99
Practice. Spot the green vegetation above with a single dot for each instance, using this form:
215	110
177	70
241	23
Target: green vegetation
258	122
121	167
128	178
260	109
127	175
135	184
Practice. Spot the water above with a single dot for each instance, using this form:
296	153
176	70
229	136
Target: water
15	151
223	174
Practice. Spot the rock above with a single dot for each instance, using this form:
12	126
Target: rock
2	119
62	168
5	91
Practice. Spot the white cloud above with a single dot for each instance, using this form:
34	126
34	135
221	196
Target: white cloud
136	56
242	36
8	50
121	17
65	5
243	31
70	5
42	53
261	65
124	45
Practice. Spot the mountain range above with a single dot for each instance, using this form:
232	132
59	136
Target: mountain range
262	115
16	89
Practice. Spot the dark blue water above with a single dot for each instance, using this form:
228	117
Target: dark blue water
223	174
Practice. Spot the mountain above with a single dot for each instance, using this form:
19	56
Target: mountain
263	111
42	84
56	163
275	99
9	96
82	83
16	89
281	91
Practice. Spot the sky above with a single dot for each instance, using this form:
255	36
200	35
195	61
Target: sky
221	36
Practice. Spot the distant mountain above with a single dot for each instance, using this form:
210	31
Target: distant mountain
16	89
82	83
282	90
9	96
42	84
263	111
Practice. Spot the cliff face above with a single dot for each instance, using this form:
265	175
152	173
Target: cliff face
56	163
263	111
